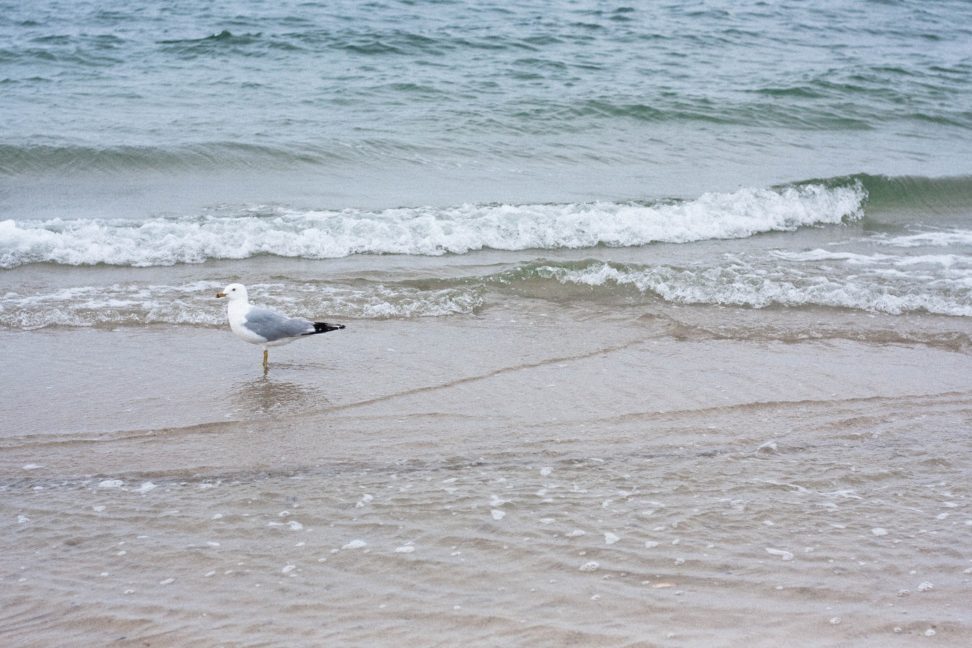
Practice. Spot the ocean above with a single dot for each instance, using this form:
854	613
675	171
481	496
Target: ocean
659	322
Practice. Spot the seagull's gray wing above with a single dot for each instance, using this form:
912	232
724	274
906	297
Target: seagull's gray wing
274	326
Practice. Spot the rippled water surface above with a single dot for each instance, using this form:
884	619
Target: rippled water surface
438	102
618	489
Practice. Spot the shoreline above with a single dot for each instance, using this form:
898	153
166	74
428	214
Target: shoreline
531	368
400	483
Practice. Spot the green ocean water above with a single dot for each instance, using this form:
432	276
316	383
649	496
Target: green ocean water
735	153
605	99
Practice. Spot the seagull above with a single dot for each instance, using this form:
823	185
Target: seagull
266	327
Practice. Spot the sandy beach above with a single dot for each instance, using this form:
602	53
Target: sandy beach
531	476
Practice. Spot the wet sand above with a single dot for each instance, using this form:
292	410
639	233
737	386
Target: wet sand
527	476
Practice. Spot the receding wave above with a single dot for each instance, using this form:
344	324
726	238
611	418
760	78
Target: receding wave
876	283
133	304
888	279
424	230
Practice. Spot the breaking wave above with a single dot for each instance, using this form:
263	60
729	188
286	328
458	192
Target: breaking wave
240	234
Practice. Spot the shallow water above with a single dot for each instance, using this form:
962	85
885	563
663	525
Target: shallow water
626	488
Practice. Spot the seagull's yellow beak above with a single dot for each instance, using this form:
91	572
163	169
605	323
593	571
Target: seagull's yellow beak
220	294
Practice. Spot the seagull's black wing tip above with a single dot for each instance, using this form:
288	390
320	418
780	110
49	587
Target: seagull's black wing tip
324	327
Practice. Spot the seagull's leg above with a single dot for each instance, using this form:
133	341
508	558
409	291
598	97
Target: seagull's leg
266	361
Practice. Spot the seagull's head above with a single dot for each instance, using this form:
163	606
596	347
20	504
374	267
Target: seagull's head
233	292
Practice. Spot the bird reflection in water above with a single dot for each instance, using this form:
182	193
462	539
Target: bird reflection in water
267	396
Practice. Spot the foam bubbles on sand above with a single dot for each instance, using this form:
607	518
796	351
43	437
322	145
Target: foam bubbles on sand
146	487
111	483
782	553
355	544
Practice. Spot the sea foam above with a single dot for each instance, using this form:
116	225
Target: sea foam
193	304
228	234
937	238
885	284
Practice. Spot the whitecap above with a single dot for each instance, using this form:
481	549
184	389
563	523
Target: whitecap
320	234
